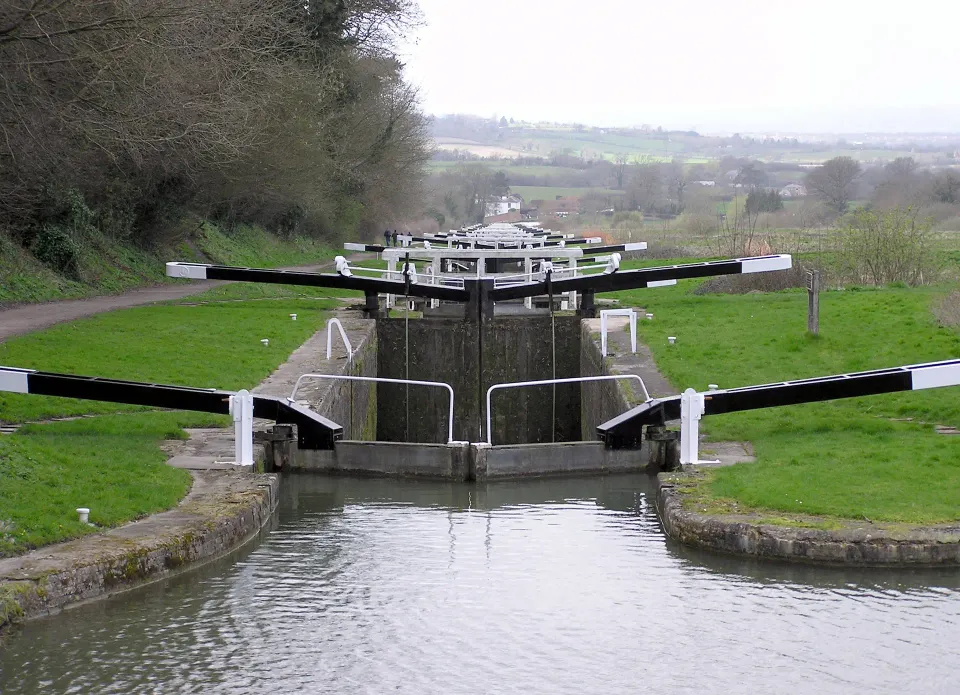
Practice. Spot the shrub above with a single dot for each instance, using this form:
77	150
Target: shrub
880	247
56	248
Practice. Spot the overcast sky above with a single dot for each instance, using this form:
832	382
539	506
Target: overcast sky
747	65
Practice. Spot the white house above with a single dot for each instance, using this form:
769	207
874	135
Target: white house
793	190
502	204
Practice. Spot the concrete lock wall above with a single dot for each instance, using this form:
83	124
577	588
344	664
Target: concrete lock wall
462	461
568	458
471	357
396	459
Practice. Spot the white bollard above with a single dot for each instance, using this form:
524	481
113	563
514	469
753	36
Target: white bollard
672	339
293	317
241	408
691	409
649	317
84	515
265	341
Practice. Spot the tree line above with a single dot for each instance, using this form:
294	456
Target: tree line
290	113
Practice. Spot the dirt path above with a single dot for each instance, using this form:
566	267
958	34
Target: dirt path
34	317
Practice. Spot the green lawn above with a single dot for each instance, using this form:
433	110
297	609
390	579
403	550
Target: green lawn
111	463
848	458
209	345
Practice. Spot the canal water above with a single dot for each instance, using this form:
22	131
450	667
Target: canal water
372	586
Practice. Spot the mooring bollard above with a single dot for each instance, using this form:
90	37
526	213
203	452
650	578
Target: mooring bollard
265	341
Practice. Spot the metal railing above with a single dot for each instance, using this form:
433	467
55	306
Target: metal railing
343	334
296	387
547	382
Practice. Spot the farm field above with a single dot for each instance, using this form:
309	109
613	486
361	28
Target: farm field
593	143
552	192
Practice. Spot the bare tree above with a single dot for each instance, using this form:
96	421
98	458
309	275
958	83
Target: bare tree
835	182
676	182
261	106
619	168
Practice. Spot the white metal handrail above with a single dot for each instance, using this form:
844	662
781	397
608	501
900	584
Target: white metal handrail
631	315
343	334
343	377
547	382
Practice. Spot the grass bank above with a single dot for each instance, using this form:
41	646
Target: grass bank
111	463
109	266
205	344
877	457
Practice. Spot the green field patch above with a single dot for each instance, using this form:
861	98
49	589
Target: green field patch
531	193
846	458
111	464
213	345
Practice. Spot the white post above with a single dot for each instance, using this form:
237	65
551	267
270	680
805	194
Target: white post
631	316
391	266
691	409
241	408
528	269
572	295
603	334
434	303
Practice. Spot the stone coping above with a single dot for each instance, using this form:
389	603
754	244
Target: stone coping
859	543
222	511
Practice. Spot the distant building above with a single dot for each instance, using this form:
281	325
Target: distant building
561	204
793	190
706	183
502	204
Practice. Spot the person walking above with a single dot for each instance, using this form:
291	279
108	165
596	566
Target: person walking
394	237
386	237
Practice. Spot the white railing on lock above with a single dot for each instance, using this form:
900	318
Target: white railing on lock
296	387
631	316
547	382
343	334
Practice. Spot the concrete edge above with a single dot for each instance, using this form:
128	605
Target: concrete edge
864	545
223	511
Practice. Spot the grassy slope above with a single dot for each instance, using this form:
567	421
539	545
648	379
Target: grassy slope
111	463
847	457
110	267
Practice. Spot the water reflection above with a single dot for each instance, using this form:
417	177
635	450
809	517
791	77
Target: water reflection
538	586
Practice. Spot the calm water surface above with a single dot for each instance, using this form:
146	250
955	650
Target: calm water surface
367	586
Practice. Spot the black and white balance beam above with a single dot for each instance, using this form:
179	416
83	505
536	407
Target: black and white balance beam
624	431
645	277
201	271
313	430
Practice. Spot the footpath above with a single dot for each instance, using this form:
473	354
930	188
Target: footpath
34	317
